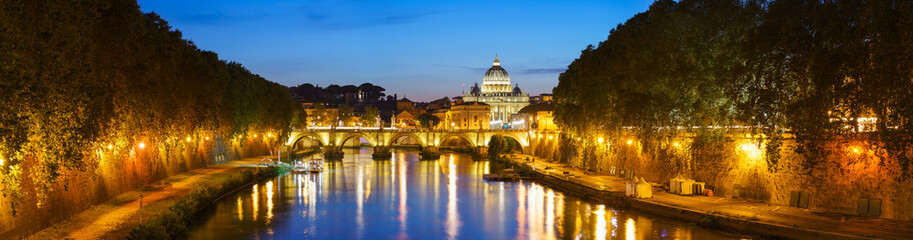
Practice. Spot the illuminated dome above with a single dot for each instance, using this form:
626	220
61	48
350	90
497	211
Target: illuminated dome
496	79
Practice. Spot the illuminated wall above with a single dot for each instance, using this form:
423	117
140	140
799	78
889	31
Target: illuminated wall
836	174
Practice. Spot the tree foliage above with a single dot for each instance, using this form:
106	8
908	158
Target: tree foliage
370	118
811	68
80	75
427	120
496	145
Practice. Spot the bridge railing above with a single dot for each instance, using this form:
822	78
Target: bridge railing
371	129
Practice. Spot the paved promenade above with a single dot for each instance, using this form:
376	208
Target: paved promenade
757	216
116	217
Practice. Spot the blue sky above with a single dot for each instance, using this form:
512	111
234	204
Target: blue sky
421	49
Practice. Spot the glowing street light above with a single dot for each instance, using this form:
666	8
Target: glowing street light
600	140
142	145
675	144
855	149
188	139
110	146
630	142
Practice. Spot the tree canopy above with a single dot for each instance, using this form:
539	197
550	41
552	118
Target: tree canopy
807	67
81	75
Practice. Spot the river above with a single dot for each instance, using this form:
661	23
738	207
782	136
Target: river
407	198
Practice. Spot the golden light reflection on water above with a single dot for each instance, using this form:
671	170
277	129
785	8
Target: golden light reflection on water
269	200
601	228
255	197
499	210
360	203
453	218
403	195
240	209
630	230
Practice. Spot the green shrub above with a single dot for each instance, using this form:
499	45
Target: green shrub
172	223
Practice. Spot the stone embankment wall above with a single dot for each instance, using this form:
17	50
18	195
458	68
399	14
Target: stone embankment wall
78	191
836	176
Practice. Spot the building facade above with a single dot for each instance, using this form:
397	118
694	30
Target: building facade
470	115
496	91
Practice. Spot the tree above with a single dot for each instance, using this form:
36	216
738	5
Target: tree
90	81
319	116
370	118
347	115
370	92
427	120
496	145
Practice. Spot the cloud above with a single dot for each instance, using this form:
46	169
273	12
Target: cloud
513	70
401	18
217	17
542	70
470	69
349	15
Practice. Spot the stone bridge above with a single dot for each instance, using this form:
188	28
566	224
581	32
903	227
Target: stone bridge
387	136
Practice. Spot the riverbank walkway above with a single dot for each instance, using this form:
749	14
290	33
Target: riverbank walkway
757	216
115	218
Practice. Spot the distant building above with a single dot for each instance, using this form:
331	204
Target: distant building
443	114
497	93
545	97
457	100
405	119
470	115
405	105
539	116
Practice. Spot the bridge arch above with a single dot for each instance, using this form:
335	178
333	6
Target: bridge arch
393	138
356	135
302	135
460	136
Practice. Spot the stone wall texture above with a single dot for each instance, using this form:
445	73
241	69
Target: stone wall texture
835	177
78	191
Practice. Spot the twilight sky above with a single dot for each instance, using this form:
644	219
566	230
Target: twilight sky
421	49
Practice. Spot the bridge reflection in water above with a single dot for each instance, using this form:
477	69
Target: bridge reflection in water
405	198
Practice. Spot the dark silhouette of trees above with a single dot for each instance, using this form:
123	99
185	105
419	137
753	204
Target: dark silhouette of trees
427	120
810	68
80	78
335	94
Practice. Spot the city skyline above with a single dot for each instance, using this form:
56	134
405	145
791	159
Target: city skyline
435	47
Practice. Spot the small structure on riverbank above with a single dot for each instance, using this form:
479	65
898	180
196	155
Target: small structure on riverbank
681	185
507	175
638	188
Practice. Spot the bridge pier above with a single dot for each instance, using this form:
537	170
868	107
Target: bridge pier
479	153
430	153
332	139
332	152
382	153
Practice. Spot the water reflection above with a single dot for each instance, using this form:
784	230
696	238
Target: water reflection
406	198
453	217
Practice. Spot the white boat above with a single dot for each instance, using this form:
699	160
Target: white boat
300	167
315	165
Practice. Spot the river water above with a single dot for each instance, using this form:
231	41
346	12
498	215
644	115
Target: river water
406	198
